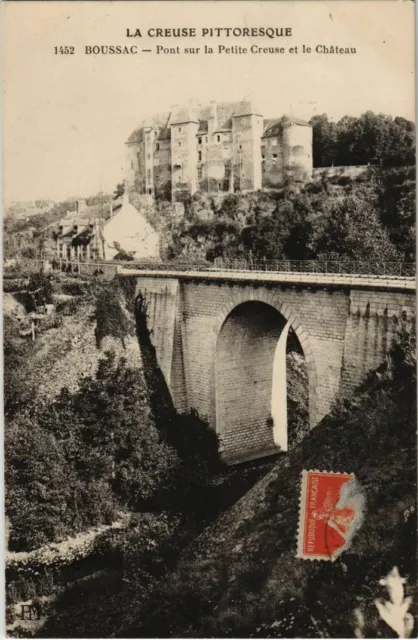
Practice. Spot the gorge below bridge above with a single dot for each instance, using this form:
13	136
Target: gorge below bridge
220	340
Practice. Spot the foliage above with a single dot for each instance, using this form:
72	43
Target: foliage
354	231
15	354
73	462
396	194
44	569
353	222
119	191
110	314
374	139
123	256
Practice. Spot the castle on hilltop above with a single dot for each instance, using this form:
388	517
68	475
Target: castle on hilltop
221	147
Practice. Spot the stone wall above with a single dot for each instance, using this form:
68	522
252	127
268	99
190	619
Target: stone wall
372	323
183	157
297	158
162	168
246	134
245	353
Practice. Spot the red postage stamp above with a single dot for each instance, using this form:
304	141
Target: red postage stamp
331	508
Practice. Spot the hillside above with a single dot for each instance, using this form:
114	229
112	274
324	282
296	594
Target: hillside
364	216
241	577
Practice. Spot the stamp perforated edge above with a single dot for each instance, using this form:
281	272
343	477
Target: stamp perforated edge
302	509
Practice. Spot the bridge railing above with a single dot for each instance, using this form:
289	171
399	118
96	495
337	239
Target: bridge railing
108	268
350	267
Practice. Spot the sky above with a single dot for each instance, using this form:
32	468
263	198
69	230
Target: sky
66	117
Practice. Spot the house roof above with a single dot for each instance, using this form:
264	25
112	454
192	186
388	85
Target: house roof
88	214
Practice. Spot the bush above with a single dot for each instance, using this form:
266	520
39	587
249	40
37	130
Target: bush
110	314
72	463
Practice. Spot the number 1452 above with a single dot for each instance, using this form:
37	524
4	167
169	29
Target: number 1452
65	51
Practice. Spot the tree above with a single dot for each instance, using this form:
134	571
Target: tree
353	230
71	463
119	191
375	139
324	141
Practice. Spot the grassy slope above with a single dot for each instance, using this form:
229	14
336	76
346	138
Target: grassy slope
241	576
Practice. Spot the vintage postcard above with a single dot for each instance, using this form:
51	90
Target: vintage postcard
209	319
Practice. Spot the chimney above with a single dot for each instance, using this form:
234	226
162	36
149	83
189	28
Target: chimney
80	206
213	120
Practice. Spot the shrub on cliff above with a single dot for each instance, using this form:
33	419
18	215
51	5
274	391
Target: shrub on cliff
110	314
72	463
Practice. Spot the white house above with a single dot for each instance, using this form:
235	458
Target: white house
128	230
93	234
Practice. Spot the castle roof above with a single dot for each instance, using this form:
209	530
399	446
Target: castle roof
164	134
136	136
223	112
294	120
246	108
158	120
274	126
183	115
203	126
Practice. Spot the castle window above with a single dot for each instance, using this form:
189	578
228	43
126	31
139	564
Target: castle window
179	144
200	156
199	140
149	174
227	171
219	138
199	173
274	158
179	129
240	146
157	146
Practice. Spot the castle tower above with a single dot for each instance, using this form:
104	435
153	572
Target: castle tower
184	126
297	149
247	128
133	158
149	158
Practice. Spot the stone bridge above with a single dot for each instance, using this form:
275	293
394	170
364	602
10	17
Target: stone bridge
220	340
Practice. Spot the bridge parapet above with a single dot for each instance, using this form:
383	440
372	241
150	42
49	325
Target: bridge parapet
320	279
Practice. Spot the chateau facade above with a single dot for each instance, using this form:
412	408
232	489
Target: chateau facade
225	146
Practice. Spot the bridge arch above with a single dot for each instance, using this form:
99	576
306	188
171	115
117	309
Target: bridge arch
248	333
